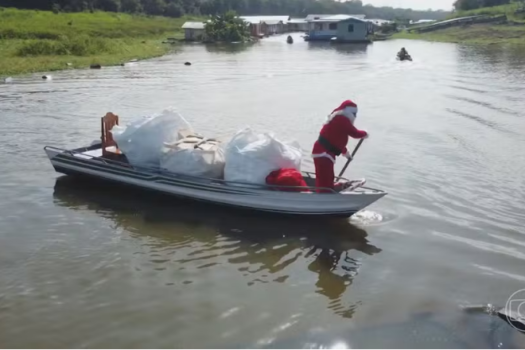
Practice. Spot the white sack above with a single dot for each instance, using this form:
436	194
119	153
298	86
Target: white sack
142	140
205	160
251	157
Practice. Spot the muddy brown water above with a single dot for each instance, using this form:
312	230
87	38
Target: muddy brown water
91	266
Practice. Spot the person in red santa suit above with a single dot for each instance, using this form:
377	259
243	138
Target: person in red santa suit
332	142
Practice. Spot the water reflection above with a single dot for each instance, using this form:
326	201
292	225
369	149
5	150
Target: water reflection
490	57
351	49
453	329
228	48
187	235
345	49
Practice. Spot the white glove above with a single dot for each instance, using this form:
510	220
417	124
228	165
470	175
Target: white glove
367	134
347	155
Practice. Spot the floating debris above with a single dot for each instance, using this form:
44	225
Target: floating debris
187	63
95	66
47	77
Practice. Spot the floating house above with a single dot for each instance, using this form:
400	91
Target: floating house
193	30
297	25
340	28
266	25
255	27
271	27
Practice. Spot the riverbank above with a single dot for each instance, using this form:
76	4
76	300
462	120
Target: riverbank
41	41
473	34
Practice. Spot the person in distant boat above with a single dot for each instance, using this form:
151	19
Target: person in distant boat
332	142
403	53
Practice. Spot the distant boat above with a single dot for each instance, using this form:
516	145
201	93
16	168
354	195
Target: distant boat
289	40
405	57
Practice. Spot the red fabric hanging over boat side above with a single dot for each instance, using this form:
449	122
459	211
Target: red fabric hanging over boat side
287	177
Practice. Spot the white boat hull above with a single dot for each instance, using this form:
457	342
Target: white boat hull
216	191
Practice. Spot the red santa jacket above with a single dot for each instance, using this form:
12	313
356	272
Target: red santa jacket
336	133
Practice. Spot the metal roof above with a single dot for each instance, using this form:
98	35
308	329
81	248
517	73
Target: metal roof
272	22
423	21
378	20
265	19
297	20
339	18
313	17
460	19
193	25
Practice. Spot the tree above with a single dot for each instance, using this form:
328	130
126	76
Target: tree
227	28
465	5
154	7
108	5
296	8
130	6
174	9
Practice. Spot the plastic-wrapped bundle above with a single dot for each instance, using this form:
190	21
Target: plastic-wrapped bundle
142	141
251	157
194	155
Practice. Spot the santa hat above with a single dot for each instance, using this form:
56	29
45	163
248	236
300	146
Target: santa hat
348	108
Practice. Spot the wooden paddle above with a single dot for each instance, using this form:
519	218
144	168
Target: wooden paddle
349	160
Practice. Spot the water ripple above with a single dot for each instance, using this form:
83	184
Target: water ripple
446	143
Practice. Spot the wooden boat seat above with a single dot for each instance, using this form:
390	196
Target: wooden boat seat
109	146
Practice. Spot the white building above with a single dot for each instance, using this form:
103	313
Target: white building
193	30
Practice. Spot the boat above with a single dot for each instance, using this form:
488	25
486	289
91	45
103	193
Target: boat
404	58
289	40
98	162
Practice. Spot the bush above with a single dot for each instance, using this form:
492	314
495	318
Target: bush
227	28
78	46
42	48
18	24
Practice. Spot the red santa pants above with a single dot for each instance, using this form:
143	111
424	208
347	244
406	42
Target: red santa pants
324	173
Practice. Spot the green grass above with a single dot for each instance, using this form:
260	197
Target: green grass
509	10
33	41
473	34
514	12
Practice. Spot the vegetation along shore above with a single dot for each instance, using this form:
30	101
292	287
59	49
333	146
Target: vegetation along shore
45	35
502	24
39	41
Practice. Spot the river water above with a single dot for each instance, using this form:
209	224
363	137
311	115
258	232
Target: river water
85	266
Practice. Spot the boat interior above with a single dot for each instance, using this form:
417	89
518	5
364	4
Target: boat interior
106	150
